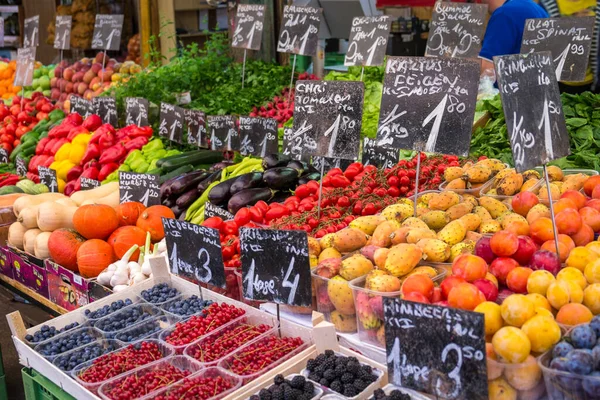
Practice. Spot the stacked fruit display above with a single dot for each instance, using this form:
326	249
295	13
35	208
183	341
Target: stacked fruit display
7	77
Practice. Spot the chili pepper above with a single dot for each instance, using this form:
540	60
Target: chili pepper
74	173
92	122
70	188
91	153
40	146
136	143
106	170
57	145
90	172
113	154
9	181
76	131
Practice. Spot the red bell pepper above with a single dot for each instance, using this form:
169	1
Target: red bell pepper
74	119
33	177
74	173
49	161
49	145
106	170
58	145
107	140
91	153
70	188
35	162
61	131
136	143
91	173
92	122
113	155
76	131
41	144
91	164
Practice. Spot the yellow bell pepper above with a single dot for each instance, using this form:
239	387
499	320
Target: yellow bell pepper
63	152
62	170
82	138
77	152
55	165
61	185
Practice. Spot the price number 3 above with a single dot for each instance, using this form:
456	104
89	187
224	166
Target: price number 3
202	274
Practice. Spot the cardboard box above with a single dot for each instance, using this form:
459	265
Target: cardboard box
66	289
6	262
30	271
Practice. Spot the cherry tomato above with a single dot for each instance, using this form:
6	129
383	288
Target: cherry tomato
404	181
369	209
334	172
357	208
213	222
343	201
230	228
412	173
393	191
227	252
242	217
393	181
380	192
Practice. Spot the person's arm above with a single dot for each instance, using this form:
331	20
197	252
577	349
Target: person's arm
500	39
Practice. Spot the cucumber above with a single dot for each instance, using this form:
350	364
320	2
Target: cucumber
176	172
198	157
187	153
10	190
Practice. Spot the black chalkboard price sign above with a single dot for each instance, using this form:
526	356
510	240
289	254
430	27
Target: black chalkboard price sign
248	26
87	183
196	127
171	122
382	157
258	136
569	39
136	111
31	31
48	178
3	156
107	32
428	104
194	252
25	66
81	106
531	100
299	30
329	116
21	166
292	144
62	32
456	30
328	163
368	41
106	109
144	188
210	210
436	350
223	132
276	266
1	32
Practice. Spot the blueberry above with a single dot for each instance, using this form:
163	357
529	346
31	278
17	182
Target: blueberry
186	307
583	337
46	332
159	293
562	349
580	362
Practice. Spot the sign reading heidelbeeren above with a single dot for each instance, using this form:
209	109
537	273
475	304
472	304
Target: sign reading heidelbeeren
428	104
248	26
299	30
368	41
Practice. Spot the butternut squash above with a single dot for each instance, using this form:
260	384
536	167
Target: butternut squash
16	231
52	216
29	240
28	201
94	194
67	201
28	217
110	200
7	200
40	248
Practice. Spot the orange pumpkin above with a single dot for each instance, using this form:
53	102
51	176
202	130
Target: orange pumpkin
151	221
93	257
95	221
128	213
124	238
63	245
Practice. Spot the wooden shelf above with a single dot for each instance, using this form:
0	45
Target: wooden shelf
31	294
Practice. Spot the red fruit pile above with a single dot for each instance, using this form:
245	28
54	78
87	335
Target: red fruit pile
133	356
143	382
198	388
227	341
212	317
260	355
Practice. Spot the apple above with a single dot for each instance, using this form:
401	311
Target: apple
58	72
99	57
483	249
88	76
63	96
68	73
96	67
68	87
54	94
82	88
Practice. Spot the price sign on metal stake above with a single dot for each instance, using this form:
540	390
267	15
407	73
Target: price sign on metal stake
62	32
144	188
25	66
381	157
299	30
87	183
248	26
106	108
3	156
456	30
258	136
107	32
31	31
210	210
568	39
328	163
196	127
368	41
81	106
1	32
171	122
48	178
223	132
21	166
136	111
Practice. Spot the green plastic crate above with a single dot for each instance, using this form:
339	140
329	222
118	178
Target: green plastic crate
3	390
38	387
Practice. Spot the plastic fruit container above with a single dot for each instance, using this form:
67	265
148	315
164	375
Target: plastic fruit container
335	301
242	324
57	324
141	297
252	303
563	385
144	310
166	305
183	364
538	188
476	191
234	381
507	200
93	350
76	373
523	381
227	362
133	299
146	329
390	387
44	347
317	394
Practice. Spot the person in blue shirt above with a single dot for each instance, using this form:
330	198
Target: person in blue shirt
505	28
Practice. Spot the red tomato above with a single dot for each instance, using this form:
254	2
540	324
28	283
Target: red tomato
264	207
16	142
275	213
242	217
15	109
41	115
313	186
11	128
256	214
230	228
6	146
302	191
213	222
21	130
334	172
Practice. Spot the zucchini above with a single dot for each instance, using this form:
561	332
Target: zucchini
198	157
176	172
10	190
187	153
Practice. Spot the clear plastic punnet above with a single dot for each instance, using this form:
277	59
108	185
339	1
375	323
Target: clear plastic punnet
67	341
71	359
146	329
112	324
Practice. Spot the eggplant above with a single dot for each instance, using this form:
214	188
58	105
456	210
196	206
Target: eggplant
246	181
313	176
183	183
182	216
210	179
280	177
275	160
248	197
220	194
168	202
280	197
220	165
297	165
177	211
186	199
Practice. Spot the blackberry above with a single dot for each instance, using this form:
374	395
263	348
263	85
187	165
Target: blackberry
329	353
277	394
347	378
367	369
308	388
329	364
329	374
314	377
353	359
362	374
288	392
336	386
311	364
379	394
350	391
321	358
254	397
319	370
298	382
264	394
340	370
353	368
324	382
278	380
360	385
398	395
